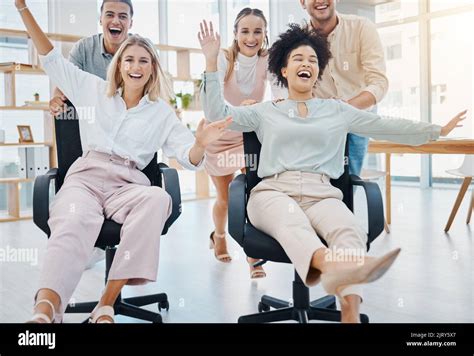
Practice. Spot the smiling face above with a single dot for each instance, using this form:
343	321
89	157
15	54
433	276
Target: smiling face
250	35
136	67
302	69
319	10
116	20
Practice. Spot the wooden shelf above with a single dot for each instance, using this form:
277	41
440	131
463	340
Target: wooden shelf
13	198
12	144
5	32
52	36
10	71
25	108
20	68
16	180
9	218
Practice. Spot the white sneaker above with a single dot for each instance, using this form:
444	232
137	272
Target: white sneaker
97	256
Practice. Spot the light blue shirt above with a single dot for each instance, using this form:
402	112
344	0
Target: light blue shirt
313	144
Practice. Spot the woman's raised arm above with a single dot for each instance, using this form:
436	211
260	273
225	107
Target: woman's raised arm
42	43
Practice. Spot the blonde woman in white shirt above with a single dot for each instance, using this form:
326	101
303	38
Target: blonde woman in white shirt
130	123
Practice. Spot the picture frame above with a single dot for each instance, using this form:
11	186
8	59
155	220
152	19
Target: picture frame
25	133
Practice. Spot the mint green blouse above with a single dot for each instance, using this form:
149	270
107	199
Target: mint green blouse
312	144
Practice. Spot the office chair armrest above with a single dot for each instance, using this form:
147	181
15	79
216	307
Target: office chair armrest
41	199
171	186
374	206
237	208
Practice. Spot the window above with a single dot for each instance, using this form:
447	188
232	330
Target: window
184	17
450	62
402	99
451	77
438	93
436	5
394	52
9	17
396	10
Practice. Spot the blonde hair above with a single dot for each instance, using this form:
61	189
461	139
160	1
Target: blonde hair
232	52
158	86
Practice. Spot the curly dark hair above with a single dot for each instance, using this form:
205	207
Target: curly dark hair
297	36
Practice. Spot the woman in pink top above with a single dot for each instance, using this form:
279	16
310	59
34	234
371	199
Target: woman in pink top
243	74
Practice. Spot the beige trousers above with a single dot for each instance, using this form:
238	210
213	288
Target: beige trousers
299	209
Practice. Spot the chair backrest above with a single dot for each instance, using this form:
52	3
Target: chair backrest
467	167
252	147
69	148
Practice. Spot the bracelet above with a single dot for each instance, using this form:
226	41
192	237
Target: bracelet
22	9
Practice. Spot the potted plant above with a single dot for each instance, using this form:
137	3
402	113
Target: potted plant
174	103
37	96
186	100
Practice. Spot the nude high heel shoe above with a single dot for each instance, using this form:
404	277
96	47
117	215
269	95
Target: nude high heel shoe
100	312
41	317
334	282
225	257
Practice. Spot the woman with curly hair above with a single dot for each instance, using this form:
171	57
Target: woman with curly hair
303	140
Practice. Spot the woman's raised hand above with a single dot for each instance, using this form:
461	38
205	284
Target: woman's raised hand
210	132
209	40
453	123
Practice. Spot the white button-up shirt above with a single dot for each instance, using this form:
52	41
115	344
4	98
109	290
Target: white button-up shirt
107	126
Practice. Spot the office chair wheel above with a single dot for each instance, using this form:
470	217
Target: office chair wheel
263	307
158	320
164	305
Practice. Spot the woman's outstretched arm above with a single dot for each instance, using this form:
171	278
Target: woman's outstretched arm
42	43
403	131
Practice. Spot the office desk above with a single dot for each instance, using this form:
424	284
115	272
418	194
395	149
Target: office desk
443	146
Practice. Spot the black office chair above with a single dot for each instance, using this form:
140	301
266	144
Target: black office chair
259	245
69	149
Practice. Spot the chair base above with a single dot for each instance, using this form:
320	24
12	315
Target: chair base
301	310
125	306
128	307
323	309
